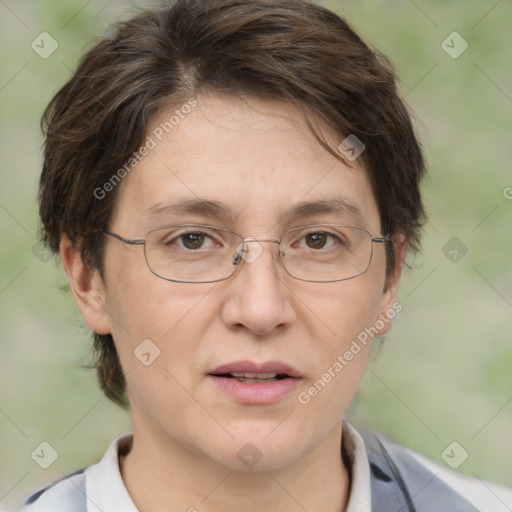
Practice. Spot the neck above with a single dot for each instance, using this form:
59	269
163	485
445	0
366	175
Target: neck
167	476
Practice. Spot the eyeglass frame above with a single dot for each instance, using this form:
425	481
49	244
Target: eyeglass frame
142	241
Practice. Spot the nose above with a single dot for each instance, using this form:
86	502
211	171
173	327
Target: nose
257	297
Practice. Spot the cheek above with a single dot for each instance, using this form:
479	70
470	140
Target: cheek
348	307
135	298
333	389
348	315
157	333
158	330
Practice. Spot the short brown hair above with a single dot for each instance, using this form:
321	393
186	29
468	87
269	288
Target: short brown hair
290	50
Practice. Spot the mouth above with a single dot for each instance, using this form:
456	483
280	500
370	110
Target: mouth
254	378
252	383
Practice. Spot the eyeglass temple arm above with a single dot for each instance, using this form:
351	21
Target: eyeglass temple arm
382	240
124	240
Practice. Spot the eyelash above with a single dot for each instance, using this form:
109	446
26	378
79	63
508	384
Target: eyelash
181	236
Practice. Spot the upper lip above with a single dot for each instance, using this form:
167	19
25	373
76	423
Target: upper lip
252	367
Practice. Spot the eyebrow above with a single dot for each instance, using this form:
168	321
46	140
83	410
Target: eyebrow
204	207
333	206
225	213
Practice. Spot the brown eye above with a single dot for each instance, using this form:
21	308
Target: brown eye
193	240
317	240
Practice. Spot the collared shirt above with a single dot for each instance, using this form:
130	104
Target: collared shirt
100	488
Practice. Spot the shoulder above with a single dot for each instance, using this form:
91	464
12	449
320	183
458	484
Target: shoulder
94	489
399	474
486	496
67	494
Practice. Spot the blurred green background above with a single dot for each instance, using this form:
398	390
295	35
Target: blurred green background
445	371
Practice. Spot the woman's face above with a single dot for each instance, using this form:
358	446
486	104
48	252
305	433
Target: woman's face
241	166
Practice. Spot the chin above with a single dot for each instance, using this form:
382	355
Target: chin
260	449
251	458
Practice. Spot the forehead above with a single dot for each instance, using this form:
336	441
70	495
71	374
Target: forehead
240	161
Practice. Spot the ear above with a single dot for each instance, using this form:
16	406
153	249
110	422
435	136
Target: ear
87	287
388	306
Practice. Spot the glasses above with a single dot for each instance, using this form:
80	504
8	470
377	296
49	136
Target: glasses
197	253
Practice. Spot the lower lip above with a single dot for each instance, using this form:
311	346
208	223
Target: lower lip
257	392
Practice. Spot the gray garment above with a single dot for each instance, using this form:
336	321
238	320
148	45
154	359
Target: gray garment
399	483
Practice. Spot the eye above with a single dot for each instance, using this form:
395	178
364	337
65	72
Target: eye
192	241
319	240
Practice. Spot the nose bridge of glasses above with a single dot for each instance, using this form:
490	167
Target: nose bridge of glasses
252	239
250	249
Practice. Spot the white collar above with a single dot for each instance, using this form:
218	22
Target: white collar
105	488
106	491
360	499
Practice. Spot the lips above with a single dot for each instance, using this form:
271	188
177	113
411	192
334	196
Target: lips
254	377
260	371
257	384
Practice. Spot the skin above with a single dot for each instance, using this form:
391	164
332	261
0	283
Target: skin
254	156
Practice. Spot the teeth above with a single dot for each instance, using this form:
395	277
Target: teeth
254	375
252	381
